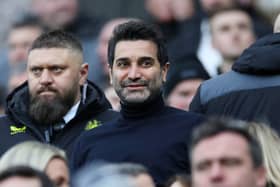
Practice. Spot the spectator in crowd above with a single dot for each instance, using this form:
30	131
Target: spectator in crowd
17	76
179	180
113	98
269	141
183	79
102	46
103	175
195	35
57	102
248	92
20	37
169	15
232	32
138	65
223	153
66	15
24	177
42	157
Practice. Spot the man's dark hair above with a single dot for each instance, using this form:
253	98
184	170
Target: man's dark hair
228	9
28	20
215	126
57	39
137	30
26	172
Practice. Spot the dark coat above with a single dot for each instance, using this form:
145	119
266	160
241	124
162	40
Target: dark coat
16	126
250	91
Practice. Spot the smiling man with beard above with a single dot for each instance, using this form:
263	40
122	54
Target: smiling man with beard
57	102
147	131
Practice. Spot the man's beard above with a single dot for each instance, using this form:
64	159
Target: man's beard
48	112
151	90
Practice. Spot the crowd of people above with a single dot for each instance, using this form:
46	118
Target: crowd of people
187	99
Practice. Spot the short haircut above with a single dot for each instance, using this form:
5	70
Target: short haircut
230	9
137	30
57	39
215	126
26	172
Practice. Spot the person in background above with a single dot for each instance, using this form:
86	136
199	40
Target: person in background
223	153
105	174
232	32
102	50
179	180
183	79
113	98
39	156
250	90
57	103
66	15
20	37
269	140
24	177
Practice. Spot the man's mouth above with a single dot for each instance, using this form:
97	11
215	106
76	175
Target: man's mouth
135	86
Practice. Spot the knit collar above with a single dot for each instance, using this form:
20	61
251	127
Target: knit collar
145	109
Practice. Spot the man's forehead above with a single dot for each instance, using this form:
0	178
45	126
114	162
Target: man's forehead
137	48
226	143
230	16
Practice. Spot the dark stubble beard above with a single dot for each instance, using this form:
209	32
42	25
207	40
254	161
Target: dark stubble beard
45	112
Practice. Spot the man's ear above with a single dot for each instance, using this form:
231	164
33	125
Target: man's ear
83	73
164	71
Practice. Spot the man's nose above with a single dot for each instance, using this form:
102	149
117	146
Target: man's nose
46	77
216	173
134	72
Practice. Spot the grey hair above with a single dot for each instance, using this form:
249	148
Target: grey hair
31	153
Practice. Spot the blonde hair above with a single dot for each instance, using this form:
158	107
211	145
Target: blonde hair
270	144
31	153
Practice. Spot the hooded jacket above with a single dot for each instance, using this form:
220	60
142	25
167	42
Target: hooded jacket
251	90
17	126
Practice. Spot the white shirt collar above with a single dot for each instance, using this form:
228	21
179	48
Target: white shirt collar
71	113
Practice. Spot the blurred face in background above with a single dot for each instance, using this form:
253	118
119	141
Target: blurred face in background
57	171
210	6
19	42
56	14
104	37
183	93
169	10
232	32
225	160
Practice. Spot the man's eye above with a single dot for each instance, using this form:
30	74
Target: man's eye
122	64
36	71
57	69
146	63
202	166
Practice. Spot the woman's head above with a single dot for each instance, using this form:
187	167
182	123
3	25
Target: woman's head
43	157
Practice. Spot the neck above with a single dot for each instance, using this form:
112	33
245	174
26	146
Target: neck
139	110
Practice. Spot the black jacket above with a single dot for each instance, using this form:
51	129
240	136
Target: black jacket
251	90
151	134
16	126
